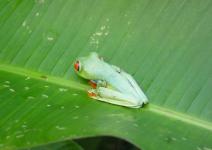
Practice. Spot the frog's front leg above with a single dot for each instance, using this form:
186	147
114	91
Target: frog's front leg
97	83
114	97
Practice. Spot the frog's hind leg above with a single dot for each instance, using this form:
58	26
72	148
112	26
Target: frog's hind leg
114	97
138	92
134	84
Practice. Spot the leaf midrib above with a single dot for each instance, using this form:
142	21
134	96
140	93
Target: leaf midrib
39	75
75	85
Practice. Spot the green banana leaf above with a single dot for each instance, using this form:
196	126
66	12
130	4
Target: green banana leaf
166	46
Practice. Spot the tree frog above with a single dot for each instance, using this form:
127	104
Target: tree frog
109	83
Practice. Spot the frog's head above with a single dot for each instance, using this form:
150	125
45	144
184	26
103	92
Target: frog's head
86	66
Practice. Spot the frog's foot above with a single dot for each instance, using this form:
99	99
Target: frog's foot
93	83
92	93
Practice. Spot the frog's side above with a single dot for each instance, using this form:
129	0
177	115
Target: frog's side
111	84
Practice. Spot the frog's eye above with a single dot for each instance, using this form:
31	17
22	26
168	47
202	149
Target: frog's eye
77	66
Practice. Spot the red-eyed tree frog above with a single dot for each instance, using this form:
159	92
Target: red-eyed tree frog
109	83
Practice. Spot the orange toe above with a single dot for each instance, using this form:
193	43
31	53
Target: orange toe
92	84
91	94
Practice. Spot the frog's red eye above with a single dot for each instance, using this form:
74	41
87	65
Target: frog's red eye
77	65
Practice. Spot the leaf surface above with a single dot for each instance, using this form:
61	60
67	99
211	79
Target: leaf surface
165	45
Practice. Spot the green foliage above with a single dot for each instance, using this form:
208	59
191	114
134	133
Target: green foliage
165	45
64	145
